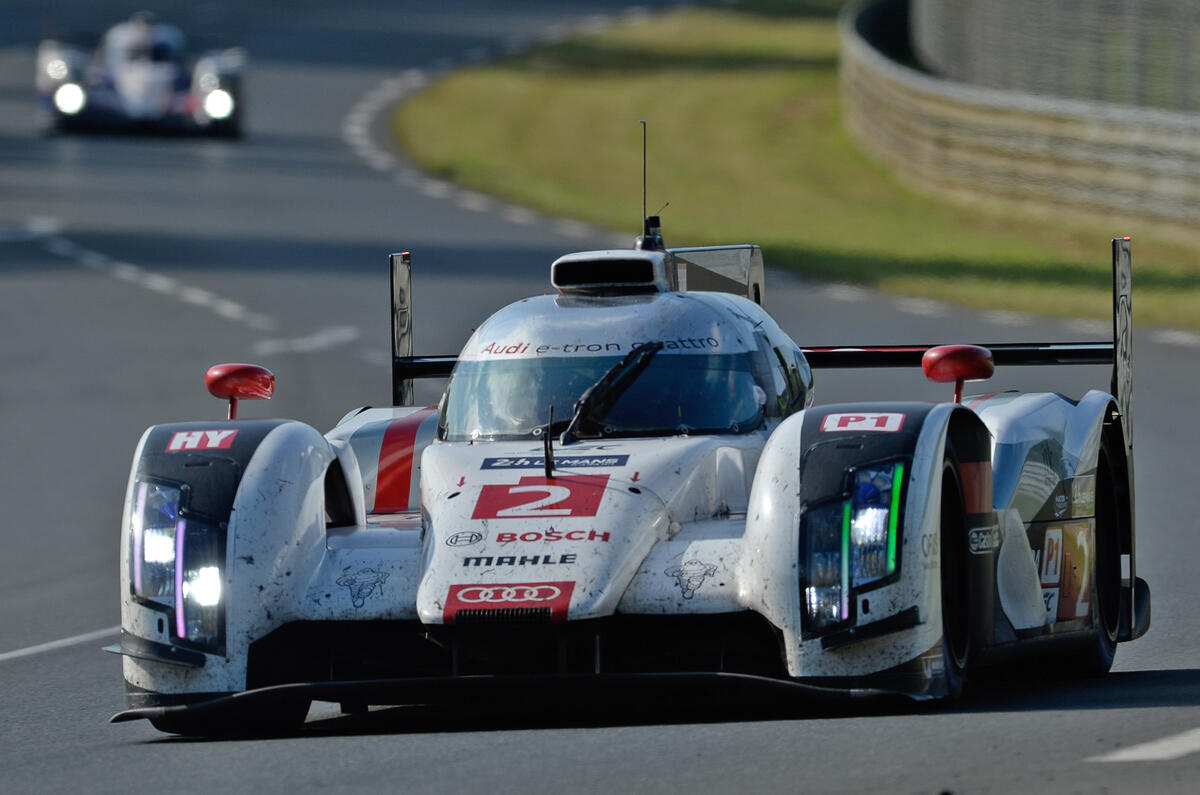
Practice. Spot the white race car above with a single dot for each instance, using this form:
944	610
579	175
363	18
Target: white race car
139	77
626	481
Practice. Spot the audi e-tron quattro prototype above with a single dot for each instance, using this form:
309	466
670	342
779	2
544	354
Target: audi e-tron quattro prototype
627	480
139	77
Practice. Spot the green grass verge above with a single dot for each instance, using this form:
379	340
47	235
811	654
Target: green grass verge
747	145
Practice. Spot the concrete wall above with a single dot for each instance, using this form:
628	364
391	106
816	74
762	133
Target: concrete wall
959	138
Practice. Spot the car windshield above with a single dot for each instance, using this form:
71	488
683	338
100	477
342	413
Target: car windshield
157	52
511	399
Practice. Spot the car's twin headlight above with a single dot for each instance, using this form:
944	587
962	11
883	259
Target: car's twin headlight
176	563
218	104
848	545
70	98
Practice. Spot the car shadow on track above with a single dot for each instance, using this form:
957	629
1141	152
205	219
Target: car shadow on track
1026	690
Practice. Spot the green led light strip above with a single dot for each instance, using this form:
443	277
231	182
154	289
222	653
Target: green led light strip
894	516
847	511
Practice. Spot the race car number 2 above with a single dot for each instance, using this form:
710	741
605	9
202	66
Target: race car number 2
538	497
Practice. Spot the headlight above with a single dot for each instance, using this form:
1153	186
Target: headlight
218	104
69	98
56	68
849	545
176	562
155	525
875	513
827	566
198	599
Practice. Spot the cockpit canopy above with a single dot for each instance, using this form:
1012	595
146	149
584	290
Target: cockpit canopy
143	40
724	367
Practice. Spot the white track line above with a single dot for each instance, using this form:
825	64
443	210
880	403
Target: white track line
1000	317
59	246
1173	747
323	340
922	307
1096	327
54	645
840	291
362	117
1169	337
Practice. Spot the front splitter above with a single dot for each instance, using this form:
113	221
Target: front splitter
718	690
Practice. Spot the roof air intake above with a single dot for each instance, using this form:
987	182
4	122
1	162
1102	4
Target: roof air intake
613	272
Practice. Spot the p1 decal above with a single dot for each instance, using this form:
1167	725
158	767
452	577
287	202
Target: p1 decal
1052	556
201	440
1065	565
542	498
506	596
858	423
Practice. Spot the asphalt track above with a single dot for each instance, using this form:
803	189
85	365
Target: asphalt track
128	266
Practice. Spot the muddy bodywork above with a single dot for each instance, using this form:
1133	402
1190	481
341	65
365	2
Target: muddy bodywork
798	545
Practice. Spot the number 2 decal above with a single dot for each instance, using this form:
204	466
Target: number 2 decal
539	497
554	495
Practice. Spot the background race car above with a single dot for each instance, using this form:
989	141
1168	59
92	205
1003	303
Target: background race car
139	77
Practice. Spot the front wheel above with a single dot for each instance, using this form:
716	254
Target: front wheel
956	617
1096	658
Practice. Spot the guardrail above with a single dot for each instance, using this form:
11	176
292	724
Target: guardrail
967	140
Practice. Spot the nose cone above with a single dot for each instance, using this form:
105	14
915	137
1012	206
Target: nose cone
146	89
551	548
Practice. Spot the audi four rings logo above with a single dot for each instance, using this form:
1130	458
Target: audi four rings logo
509	593
477	597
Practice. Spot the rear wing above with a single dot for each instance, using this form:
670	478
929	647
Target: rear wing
739	269
402	342
721	269
1118	351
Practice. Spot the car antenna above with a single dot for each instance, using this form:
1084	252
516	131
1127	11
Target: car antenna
548	446
651	237
643	123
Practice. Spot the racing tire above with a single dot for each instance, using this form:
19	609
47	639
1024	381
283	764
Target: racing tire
1096	658
955	585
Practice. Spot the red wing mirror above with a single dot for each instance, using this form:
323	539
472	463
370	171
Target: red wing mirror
239	381
958	363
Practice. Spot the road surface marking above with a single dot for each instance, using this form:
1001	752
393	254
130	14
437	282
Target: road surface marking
923	307
136	275
519	215
1169	337
571	228
1173	747
437	189
1098	327
322	340
358	122
840	291
476	202
1002	317
53	645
